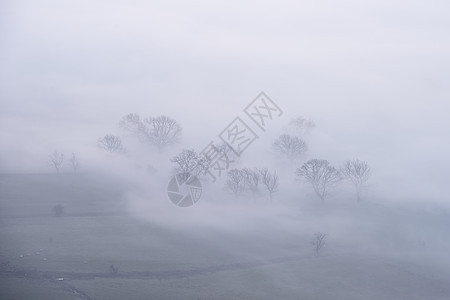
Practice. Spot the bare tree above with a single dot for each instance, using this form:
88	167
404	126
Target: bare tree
269	180
111	144
321	175
290	146
163	131
358	173
235	181
188	161
301	125
56	159
318	241
113	270
131	123
159	131
251	179
73	160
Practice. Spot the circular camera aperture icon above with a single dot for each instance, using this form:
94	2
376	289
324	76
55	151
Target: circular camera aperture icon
184	189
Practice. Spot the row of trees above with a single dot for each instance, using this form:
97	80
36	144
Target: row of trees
322	175
160	132
246	179
318	173
163	131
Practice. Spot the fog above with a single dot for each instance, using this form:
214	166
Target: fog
372	76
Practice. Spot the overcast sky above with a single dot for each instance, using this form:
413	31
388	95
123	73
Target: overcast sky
373	75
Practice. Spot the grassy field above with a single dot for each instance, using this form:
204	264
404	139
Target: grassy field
156	262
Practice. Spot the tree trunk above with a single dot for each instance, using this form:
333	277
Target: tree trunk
358	195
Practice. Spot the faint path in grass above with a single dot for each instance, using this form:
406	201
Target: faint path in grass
62	279
66	215
54	275
70	288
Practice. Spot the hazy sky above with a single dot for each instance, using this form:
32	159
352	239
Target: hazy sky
372	74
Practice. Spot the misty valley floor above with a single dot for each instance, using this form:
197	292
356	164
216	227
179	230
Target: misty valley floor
372	252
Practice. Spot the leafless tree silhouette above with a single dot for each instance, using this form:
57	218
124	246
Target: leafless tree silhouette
113	270
358	173
318	241
300	125
163	131
188	161
321	175
132	123
73	160
290	146
111	144
235	181
252	179
56	159
159	131
269	180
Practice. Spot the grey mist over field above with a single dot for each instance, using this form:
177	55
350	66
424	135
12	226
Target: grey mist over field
365	82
